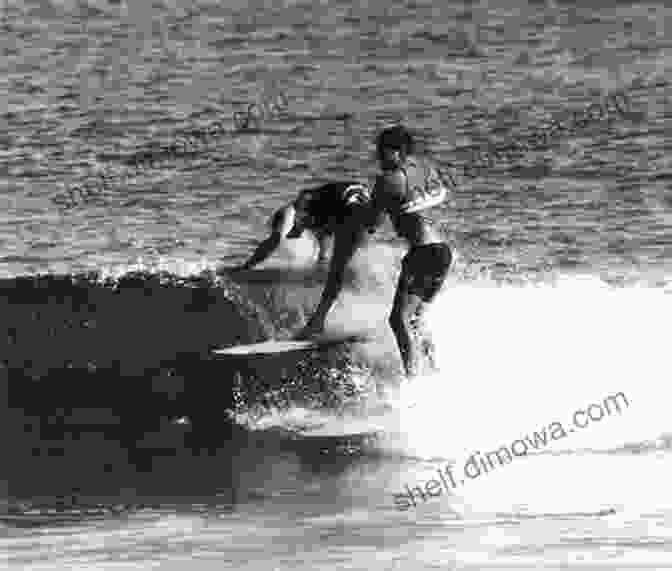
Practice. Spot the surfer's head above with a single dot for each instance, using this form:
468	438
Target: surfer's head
393	145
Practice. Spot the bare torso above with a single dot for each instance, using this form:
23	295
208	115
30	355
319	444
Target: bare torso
408	195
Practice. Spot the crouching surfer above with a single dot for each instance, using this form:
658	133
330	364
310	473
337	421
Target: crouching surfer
306	226
407	190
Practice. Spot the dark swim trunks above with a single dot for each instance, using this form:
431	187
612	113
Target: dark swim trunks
328	205
424	269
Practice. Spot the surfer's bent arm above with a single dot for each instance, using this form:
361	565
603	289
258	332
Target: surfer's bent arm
281	224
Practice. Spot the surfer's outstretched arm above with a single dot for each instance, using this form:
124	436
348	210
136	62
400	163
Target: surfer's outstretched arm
263	251
348	237
282	223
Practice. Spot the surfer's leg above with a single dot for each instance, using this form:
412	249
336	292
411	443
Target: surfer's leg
325	246
281	223
425	343
423	272
405	306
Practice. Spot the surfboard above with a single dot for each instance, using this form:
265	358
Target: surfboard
272	346
338	438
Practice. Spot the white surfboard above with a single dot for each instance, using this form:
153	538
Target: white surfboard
272	346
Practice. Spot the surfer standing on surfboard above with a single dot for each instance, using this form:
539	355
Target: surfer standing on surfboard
407	188
314	214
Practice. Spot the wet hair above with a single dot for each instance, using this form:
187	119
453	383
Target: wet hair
397	137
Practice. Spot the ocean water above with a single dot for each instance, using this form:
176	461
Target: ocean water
543	441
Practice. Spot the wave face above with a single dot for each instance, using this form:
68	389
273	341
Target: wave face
83	341
140	343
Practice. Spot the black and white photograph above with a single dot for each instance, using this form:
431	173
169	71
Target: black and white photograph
326	285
